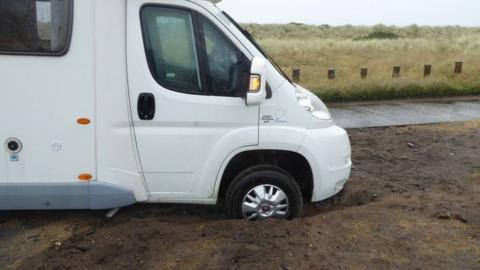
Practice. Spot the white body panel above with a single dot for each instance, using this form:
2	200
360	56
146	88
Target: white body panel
41	100
179	156
182	148
116	149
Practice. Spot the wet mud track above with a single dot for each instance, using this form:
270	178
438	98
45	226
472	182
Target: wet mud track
413	202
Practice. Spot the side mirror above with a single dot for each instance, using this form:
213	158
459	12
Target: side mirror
257	90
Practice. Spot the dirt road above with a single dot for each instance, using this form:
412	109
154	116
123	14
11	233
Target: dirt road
413	203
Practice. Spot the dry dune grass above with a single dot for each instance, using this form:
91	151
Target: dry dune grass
314	49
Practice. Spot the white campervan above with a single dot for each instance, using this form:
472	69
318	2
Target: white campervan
114	102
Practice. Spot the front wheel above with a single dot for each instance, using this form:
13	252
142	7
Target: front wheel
264	192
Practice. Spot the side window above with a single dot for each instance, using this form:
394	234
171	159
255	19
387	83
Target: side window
227	68
35	26
187	53
171	49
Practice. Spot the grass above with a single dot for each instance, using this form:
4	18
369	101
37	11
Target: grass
315	49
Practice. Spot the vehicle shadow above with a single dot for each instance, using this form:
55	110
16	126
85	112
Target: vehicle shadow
175	213
347	198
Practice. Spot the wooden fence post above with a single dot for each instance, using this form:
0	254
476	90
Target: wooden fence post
427	70
331	74
364	73
296	75
458	67
396	72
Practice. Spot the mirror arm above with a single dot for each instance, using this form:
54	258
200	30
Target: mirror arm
269	91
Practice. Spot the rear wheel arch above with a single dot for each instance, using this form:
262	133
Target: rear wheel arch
293	163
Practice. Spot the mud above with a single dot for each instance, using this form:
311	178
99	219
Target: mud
413	202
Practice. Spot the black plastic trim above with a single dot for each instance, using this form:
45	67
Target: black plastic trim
202	51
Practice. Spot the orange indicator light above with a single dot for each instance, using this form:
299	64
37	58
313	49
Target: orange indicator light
255	83
83	121
85	177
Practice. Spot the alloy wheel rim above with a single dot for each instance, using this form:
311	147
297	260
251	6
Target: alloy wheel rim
263	202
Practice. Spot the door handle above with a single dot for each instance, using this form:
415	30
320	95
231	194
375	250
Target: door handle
146	106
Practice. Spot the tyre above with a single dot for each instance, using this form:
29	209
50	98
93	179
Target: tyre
263	192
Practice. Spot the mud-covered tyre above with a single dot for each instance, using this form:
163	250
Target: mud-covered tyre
263	192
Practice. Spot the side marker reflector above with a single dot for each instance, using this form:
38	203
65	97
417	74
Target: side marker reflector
85	177
83	121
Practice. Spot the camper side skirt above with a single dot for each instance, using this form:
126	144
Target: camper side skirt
94	195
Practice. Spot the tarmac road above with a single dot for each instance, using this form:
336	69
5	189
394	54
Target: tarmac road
405	112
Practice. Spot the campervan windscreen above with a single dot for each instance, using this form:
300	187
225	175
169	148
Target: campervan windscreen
34	26
256	44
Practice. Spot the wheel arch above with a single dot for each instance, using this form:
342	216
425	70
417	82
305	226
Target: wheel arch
294	163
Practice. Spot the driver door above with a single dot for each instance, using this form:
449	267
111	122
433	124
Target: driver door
186	82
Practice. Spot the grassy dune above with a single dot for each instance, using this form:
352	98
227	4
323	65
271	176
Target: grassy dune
314	49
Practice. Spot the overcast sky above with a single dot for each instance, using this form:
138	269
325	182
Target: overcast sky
356	12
